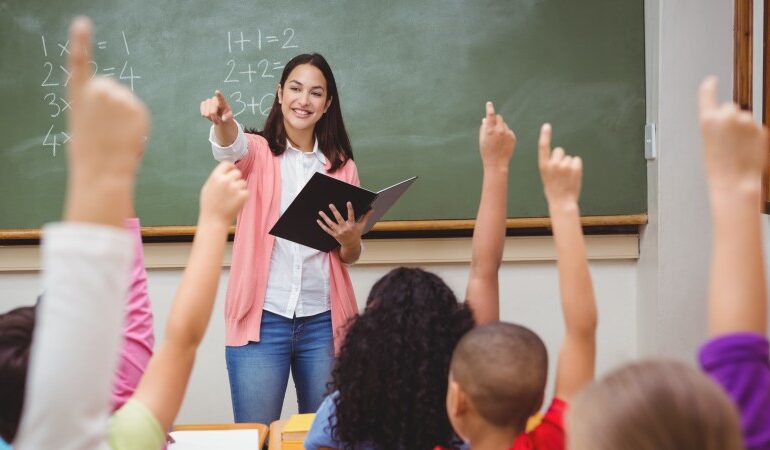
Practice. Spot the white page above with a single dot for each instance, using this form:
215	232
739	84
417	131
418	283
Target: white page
385	199
215	440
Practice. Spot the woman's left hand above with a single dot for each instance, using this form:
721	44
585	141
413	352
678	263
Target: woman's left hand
346	232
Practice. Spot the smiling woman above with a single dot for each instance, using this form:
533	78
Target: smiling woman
286	304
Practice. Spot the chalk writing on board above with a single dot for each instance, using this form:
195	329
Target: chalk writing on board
237	41
255	57
265	69
261	106
115	56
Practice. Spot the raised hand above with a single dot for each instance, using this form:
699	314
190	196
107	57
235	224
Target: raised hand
735	147
735	151
346	231
224	194
163	385
561	173
562	176
108	124
216	109
496	146
496	140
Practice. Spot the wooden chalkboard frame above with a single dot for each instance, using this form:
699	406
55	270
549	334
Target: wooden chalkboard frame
765	94
391	227
742	53
743	67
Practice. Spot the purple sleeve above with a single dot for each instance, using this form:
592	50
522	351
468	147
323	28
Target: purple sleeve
740	362
138	336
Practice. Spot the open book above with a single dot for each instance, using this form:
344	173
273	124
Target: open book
298	223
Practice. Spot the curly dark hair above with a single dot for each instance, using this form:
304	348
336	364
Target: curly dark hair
392	370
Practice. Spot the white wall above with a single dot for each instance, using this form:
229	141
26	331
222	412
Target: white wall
687	40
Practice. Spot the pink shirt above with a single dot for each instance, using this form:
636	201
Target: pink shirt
253	247
138	337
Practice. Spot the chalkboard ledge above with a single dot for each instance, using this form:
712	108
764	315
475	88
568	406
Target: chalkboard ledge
622	224
395	252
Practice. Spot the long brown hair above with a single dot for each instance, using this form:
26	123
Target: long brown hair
654	405
330	130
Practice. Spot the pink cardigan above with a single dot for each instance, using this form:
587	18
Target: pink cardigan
253	247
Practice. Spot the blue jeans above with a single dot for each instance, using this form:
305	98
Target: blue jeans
259	371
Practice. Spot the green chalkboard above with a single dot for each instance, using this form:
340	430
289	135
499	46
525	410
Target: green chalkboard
413	77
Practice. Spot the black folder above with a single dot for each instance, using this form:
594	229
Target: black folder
298	223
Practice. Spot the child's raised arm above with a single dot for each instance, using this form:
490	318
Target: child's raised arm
737	356
85	263
735	150
562	176
163	385
496	145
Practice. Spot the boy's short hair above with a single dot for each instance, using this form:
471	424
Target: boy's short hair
502	367
16	328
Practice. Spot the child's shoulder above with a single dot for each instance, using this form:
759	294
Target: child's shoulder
320	433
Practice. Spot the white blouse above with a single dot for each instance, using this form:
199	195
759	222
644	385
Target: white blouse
298	280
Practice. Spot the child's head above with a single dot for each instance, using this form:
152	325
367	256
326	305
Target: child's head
391	373
660	405
307	97
497	376
16	327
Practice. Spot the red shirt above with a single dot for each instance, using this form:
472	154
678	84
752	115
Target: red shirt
549	434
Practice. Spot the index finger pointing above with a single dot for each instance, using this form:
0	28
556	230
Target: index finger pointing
79	59
490	109
220	97
490	113
544	143
707	95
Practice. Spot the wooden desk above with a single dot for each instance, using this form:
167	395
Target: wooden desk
260	427
277	426
275	431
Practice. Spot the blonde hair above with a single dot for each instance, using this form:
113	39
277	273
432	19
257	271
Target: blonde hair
654	405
